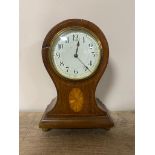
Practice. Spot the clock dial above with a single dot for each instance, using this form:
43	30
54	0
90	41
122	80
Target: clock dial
75	53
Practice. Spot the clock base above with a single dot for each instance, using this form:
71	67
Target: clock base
69	121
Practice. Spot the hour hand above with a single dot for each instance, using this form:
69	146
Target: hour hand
78	44
76	55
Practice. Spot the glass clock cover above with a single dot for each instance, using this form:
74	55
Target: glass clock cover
75	53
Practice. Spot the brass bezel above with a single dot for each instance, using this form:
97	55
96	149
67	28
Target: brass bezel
76	28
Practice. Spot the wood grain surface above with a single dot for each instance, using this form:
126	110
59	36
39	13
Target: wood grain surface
117	141
66	102
64	85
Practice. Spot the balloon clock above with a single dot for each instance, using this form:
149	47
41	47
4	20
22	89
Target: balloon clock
75	54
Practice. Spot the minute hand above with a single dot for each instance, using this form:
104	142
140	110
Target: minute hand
83	64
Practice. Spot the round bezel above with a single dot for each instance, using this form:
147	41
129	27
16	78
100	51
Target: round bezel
78	29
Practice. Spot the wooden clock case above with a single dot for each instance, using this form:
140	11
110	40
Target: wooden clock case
59	114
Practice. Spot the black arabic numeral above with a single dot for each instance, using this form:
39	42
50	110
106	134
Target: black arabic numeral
67	69
93	53
75	37
60	46
67	41
75	72
86	68
58	55
83	40
90	45
90	63
61	63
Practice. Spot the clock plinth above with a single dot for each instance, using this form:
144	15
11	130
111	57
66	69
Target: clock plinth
50	121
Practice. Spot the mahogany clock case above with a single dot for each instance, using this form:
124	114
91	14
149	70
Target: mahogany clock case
92	113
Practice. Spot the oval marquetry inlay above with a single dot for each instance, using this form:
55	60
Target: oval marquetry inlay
76	99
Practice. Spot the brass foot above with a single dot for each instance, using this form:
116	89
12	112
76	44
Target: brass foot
45	129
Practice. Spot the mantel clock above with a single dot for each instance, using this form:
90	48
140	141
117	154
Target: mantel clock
75	54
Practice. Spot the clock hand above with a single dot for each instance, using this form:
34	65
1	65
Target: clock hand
83	64
76	55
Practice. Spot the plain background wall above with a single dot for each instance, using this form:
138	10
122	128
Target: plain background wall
116	20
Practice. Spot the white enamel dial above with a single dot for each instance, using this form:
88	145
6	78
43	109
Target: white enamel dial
75	53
